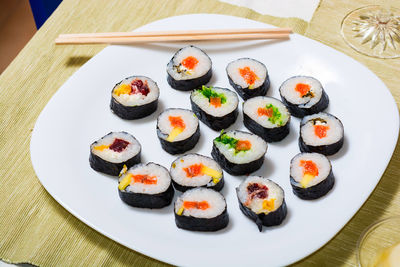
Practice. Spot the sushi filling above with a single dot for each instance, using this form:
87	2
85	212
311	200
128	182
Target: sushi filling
240	147
194	170
212	99
309	169
145	179
189	63
177	124
260	195
302	91
266	111
200	203
116	147
135	91
247	73
321	129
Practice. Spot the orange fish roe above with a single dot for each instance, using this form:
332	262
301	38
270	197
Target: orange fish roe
248	75
309	167
265	112
177	122
215	101
321	130
190	62
243	145
203	205
144	179
302	88
194	170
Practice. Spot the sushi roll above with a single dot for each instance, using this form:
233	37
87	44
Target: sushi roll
134	97
146	186
178	130
194	170
214	106
303	96
110	153
239	152
321	133
311	175
201	209
267	117
189	68
248	77
262	200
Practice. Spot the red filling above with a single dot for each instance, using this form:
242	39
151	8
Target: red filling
119	145
257	190
138	86
193	170
203	205
309	167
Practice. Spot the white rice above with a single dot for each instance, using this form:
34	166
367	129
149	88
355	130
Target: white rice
180	177
137	99
116	157
322	162
215	200
274	192
288	91
257	150
190	119
202	67
151	169
203	102
334	133
250	108
257	67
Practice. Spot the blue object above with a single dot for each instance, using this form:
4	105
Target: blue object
42	9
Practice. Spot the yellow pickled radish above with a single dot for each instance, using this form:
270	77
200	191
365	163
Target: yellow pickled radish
180	211
269	204
123	89
101	147
306	180
211	172
125	182
174	133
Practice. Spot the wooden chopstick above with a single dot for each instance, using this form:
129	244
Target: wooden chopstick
171	36
170	33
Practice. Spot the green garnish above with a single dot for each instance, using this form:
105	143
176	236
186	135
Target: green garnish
210	93
228	141
276	117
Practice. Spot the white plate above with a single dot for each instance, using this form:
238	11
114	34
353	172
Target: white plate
79	113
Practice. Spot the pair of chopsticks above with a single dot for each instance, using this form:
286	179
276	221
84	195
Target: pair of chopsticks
171	36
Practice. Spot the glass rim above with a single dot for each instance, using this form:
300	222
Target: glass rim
369	229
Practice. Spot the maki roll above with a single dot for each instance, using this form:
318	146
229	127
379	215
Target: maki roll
321	133
311	175
201	209
248	77
189	68
239	152
178	130
267	117
110	153
216	107
303	96
262	200
194	170
146	186
134	97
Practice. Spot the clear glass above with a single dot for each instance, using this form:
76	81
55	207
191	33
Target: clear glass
373	31
376	238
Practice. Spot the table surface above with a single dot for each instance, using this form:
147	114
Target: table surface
36	229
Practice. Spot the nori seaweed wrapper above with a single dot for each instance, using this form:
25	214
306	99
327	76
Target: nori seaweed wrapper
133	112
187	85
217	187
246	93
271	219
155	201
215	123
202	224
300	112
268	134
233	168
182	146
315	191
